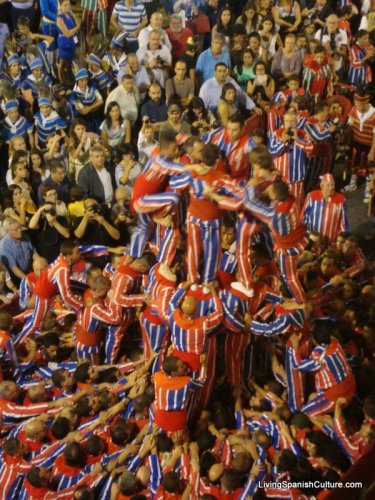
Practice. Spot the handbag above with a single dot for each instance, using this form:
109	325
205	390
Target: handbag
199	24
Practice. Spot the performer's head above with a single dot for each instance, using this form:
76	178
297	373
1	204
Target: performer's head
361	102
235	126
189	305
278	191
70	250
174	367
327	185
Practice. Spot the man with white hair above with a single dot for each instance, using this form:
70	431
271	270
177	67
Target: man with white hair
156	23
15	251
156	58
335	41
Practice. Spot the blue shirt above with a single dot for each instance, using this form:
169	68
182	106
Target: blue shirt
16	253
49	9
157	112
62	189
207	61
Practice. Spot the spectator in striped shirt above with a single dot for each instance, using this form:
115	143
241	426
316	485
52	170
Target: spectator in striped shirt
130	17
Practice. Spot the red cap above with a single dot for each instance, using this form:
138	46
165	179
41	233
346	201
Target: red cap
361	98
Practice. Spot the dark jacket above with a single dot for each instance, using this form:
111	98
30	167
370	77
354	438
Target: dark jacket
89	181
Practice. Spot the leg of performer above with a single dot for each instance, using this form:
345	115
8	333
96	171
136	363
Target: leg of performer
140	235
288	270
40	311
194	247
211	247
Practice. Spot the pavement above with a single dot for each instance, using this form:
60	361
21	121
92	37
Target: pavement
359	221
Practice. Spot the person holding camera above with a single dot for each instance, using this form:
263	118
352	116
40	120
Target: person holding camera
289	146
336	43
94	228
156	58
320	131
48	228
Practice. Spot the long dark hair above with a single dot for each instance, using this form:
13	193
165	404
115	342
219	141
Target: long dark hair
219	25
8	196
17	157
37	152
240	66
268	18
108	119
72	134
255	21
196	102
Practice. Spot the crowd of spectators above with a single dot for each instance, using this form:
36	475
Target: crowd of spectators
184	310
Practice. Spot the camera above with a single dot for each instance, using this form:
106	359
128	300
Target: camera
333	45
50	210
97	209
160	61
290	132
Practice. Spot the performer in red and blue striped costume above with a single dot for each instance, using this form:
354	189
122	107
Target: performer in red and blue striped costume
55	279
234	145
325	211
92	320
173	390
192	332
360	52
150	195
13	468
204	216
333	375
288	233
126	283
189	331
289	146
153	320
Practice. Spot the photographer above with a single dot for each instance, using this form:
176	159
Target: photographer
156	58
93	228
316	11
49	228
121	215
335	41
289	146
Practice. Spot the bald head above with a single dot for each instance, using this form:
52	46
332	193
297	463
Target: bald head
189	306
35	430
215	472
39	264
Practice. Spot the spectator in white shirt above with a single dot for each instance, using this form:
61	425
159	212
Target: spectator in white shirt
139	73
127	97
156	58
211	90
156	23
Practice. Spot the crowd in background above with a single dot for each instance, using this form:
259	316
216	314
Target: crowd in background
184	310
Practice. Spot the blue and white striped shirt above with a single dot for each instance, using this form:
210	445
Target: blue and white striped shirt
129	19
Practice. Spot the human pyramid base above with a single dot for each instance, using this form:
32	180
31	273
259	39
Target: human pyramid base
184	310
